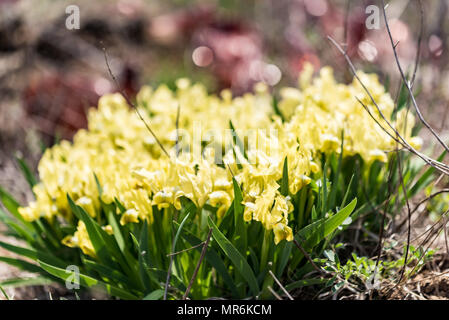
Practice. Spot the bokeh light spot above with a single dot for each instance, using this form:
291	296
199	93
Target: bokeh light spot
102	86
271	74
316	8
435	45
202	56
367	50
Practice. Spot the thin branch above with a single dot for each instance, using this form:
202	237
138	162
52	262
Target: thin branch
280	285
131	104
445	235
382	226
409	227
407	84
195	273
443	168
432	227
185	250
170	265
378	123
274	293
307	256
429	244
418	45
417	58
354	72
433	195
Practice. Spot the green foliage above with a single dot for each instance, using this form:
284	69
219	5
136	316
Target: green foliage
134	260
361	272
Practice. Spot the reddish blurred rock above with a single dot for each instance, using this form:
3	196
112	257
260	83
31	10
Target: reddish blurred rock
333	23
12	34
237	53
232	50
57	103
173	27
8	1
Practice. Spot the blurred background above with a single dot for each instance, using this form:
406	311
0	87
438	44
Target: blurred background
50	75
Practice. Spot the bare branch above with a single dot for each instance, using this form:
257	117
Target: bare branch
382	225
443	168
431	242
307	256
170	265
418	45
185	250
131	104
422	202
417	58
274	293
280	285
195	273
409	227
407	84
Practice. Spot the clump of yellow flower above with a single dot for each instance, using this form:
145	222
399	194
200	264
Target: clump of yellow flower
132	169
321	109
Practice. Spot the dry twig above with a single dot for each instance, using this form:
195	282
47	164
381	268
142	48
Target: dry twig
195	273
